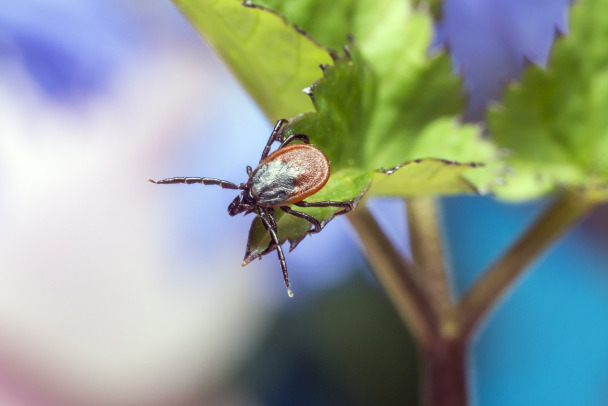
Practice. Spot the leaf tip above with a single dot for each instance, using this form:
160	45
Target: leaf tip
334	55
308	90
248	258
293	243
347	50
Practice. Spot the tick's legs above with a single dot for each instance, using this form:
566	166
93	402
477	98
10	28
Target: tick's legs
346	206
318	226
205	181
293	137
271	220
271	226
273	137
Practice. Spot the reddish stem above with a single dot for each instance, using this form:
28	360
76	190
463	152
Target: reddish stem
444	373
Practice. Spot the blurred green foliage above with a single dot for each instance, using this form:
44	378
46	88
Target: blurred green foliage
554	124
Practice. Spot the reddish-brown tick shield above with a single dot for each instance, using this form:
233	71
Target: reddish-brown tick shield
289	175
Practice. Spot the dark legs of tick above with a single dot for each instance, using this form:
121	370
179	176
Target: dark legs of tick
293	137
267	219
317	225
205	181
275	135
346	206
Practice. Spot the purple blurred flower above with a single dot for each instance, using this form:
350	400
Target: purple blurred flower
491	40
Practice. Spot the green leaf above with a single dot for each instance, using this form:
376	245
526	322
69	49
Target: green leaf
273	61
289	228
382	103
555	123
375	107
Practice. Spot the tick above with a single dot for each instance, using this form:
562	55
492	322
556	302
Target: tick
282	179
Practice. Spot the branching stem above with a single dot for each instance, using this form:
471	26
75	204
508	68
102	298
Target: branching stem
425	240
398	276
480	299
441	327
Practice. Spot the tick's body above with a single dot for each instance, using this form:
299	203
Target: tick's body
289	175
283	178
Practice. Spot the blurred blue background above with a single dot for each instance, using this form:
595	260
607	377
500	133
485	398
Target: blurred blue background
118	292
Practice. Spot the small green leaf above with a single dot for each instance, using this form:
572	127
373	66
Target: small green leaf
289	228
555	123
273	61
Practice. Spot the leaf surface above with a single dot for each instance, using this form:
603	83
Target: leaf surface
273	61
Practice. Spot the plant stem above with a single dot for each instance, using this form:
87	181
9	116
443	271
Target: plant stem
444	369
444	373
421	292
495	282
399	278
425	240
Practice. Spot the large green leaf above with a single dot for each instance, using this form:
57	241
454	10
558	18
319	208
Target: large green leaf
555	122
273	61
383	102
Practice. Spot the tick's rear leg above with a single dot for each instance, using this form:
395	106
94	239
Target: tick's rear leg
345	206
271	226
293	137
318	226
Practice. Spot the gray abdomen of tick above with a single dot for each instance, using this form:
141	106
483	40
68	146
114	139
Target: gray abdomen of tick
273	182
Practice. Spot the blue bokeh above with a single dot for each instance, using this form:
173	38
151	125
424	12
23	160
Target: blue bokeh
547	341
71	49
